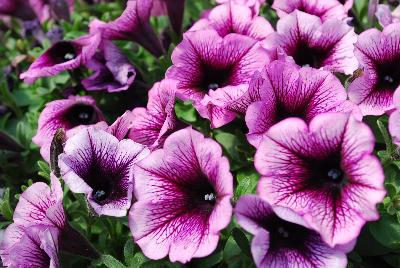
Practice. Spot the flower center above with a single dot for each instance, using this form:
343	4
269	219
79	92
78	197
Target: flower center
306	56
335	175
213	86
99	195
81	114
62	52
283	233
389	75
214	78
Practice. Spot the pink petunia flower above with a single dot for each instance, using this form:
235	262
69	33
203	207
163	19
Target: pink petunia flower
284	90
68	114
379	56
234	18
311	42
325	171
283	239
152	125
62	56
183	193
99	165
133	24
112	70
213	71
326	9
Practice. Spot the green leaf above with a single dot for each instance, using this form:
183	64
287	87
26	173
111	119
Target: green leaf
247	182
241	241
209	261
129	251
185	111
5	207
111	262
387	231
44	169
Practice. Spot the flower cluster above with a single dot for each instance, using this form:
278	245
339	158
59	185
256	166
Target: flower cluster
298	90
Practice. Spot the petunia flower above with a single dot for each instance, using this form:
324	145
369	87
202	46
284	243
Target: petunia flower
326	9
205	63
97	164
289	91
62	56
112	70
46	9
282	238
173	8
311	42
386	16
152	125
254	5
134	25
183	193
68	114
234	18
379	56
325	171
17	8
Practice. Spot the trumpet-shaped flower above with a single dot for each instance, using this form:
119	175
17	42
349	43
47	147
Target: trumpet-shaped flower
325	171
379	57
183	193
311	42
99	165
282	238
68	114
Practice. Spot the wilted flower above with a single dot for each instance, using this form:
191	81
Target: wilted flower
173	8
386	16
311	42
67	114
205	62
326	9
289	91
97	164
152	125
112	70
282	238
325	171
234	18
254	5
134	25
379	56
62	56
183	193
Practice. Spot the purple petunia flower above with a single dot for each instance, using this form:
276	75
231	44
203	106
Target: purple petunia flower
173	8
379	56
326	9
152	125
133	24
324	171
97	164
284	90
254	5
68	114
205	62
311	42
17	8
234	18
112	70
62	56
386	16
183	193
282	238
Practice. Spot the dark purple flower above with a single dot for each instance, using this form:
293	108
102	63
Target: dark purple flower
112	70
68	114
234	18
311	42
254	5
282	238
133	24
173	8
386	16
183	193
213	71
379	56
152	125
326	9
62	56
17	8
284	90
99	165
325	171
